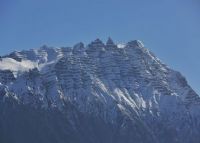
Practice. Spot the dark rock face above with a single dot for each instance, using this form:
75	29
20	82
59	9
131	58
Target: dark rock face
6	76
101	93
20	124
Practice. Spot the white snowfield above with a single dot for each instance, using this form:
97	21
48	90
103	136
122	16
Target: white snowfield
13	65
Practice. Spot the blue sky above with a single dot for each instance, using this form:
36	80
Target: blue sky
169	28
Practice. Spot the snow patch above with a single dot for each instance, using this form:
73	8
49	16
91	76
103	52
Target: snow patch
121	45
13	65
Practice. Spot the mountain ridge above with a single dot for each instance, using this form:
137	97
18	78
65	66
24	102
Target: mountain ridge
125	89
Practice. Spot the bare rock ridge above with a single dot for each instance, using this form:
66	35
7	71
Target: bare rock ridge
98	93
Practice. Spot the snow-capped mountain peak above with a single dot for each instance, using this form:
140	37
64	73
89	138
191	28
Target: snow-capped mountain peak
123	85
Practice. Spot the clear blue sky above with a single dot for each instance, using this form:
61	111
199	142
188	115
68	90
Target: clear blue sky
169	28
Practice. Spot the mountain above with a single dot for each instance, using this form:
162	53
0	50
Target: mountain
99	93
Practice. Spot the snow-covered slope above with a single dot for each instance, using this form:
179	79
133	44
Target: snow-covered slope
123	90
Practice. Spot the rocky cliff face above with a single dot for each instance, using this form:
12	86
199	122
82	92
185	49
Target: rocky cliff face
101	93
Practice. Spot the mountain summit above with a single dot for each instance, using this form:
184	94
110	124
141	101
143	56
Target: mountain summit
99	93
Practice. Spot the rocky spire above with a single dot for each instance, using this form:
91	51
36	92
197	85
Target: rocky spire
109	42
44	47
78	48
79	45
97	43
